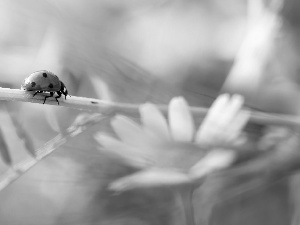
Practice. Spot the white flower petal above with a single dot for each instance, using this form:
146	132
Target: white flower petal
214	160
232	108
233	131
209	127
128	131
223	122
129	155
231	121
149	178
180	120
154	121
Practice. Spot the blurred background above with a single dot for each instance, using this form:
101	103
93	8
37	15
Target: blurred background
137	51
172	41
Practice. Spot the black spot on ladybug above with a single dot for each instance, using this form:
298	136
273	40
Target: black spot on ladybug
94	102
45	75
50	85
33	84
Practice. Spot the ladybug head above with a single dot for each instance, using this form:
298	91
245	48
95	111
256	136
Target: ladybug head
63	89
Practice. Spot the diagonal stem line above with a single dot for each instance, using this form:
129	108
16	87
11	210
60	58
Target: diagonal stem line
17	170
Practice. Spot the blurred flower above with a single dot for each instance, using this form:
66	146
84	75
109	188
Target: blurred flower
175	153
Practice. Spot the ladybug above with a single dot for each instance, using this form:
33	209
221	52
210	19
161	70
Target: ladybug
45	81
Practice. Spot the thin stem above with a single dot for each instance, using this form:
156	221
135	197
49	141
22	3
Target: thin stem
20	168
185	200
132	110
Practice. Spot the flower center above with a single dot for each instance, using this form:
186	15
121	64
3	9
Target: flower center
177	155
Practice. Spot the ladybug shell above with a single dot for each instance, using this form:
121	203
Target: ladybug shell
41	81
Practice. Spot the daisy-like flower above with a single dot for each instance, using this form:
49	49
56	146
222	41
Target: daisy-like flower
174	153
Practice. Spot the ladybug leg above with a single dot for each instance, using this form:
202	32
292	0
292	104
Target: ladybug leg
59	95
37	92
51	95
